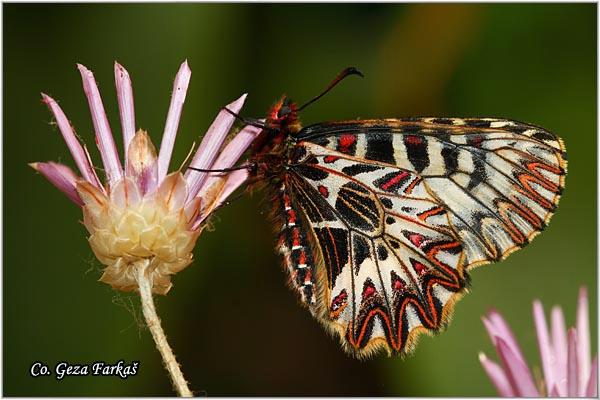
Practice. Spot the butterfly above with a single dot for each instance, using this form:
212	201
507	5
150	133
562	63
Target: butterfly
380	221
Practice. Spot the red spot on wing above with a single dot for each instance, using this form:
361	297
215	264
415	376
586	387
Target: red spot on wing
413	140
416	239
398	285
476	141
394	180
339	300
420	268
338	304
346	141
330	159
368	291
324	191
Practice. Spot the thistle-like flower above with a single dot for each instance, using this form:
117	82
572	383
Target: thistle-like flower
566	365
141	215
143	222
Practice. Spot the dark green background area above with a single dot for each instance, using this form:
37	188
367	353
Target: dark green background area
234	325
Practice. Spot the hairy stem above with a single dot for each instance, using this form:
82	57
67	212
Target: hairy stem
153	322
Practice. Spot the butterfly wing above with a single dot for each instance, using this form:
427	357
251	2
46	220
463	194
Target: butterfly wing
390	214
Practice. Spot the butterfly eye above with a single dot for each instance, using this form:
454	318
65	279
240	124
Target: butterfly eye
283	111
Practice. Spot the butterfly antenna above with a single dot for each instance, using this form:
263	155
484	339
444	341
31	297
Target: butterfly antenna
345	73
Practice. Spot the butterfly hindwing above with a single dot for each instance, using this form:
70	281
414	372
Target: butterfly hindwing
391	213
386	267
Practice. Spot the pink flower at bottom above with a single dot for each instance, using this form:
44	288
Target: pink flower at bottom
142	216
566	356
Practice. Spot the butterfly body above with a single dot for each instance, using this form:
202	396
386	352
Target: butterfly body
379	221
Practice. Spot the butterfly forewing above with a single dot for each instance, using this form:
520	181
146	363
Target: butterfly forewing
381	219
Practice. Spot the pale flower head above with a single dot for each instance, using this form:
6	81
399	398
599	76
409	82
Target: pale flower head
142	215
568	370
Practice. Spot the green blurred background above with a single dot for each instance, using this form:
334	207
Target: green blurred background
234	325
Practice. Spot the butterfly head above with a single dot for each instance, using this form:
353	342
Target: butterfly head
282	121
284	116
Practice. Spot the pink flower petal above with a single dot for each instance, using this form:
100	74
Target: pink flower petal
517	371
87	155
572	367
559	344
60	176
592	386
126	108
231	153
583	340
554	392
81	160
141	163
543	339
497	326
234	149
234	180
497	376
180	87
104	138
211	144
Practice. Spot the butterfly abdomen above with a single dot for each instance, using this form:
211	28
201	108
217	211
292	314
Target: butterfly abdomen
293	244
